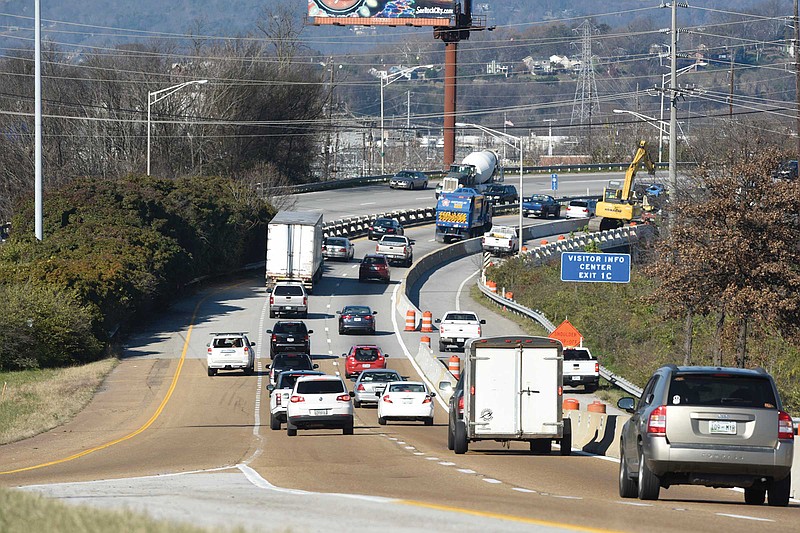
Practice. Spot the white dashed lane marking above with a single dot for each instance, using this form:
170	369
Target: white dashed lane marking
745	517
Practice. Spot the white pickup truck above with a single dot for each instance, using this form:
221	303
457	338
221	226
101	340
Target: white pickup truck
581	368
396	248
501	240
456	327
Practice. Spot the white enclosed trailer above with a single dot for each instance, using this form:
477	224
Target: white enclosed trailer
294	248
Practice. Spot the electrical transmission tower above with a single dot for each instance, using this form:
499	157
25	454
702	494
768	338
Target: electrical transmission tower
586	91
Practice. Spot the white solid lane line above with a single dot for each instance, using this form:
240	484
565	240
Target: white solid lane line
461	288
744	517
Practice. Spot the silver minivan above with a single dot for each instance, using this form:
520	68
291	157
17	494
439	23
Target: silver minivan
710	426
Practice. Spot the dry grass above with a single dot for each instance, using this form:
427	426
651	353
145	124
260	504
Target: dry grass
22	512
35	401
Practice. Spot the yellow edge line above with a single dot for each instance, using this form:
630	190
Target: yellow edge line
141	429
499	516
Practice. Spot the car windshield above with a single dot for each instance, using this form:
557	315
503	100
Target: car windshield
288	290
366	354
374	260
336	242
494	188
404	174
356	310
538	198
407	387
327	386
729	390
380	377
294	328
228	342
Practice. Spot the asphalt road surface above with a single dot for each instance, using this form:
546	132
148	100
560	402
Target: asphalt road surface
163	437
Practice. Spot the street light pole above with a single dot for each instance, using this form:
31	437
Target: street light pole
387	80
549	135
500	136
156	96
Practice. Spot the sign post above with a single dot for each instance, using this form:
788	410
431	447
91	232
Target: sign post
554	182
595	267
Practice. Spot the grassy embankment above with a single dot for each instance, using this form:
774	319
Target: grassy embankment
632	337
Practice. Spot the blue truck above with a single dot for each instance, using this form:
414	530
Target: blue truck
462	214
541	205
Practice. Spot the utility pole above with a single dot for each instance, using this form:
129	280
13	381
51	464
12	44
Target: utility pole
673	102
797	72
730	94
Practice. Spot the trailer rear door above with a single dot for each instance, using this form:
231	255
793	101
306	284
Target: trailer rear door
538	390
496	395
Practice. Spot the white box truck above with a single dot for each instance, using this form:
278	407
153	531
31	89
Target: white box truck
294	248
510	390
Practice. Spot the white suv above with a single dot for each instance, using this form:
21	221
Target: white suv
319	402
230	351
288	297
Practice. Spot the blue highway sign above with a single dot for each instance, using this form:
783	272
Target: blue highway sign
595	267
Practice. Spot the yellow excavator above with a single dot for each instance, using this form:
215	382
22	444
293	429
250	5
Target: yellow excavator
619	204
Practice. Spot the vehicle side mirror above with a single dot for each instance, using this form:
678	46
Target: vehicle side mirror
445	386
438	321
269	289
208	345
378	394
352	394
267	367
310	331
338	312
432	394
344	355
252	343
385	355
374	312
315	366
269	331
626	404
483	322
270	387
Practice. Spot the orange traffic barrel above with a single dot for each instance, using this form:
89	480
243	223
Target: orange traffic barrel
543	242
561	238
411	320
454	366
509	295
425	340
596	407
524	248
570	404
492	285
427	322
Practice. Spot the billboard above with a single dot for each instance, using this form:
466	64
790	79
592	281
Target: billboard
381	12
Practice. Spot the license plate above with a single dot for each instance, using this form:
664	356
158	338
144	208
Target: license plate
721	427
406	400
356	319
319	412
575	378
228	351
290	339
287	307
459	340
365	366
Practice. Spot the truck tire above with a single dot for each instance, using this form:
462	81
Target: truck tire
429	421
649	484
566	439
348	429
442	347
291	429
271	313
590	387
212	372
755	495
778	492
460	444
274	423
541	446
382	420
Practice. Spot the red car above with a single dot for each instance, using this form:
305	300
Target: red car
361	357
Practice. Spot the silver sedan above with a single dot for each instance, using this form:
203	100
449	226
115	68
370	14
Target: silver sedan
409	179
370	382
338	248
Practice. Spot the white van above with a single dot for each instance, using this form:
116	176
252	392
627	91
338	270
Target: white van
512	391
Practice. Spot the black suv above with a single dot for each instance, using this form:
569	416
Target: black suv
710	426
384	226
289	361
289	336
498	194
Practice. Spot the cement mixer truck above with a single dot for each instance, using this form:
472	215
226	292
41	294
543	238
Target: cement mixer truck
476	171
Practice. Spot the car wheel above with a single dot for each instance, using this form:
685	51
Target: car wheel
450	438
590	388
212	372
382	420
341	330
271	313
442	347
291	430
356	403
649	484
755	495
274	423
429	421
372	331
778	492
541	446
460	444
566	439
627	486
348	429
250	370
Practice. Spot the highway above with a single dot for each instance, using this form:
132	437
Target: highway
163	437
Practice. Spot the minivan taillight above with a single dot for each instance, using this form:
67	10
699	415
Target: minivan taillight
271	299
785	426
657	423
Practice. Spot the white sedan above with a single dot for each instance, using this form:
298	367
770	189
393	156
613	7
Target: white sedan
406	400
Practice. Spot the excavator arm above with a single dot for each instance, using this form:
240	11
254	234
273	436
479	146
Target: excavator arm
641	156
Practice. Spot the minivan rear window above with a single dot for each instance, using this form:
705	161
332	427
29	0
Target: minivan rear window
722	390
320	387
296	328
366	354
